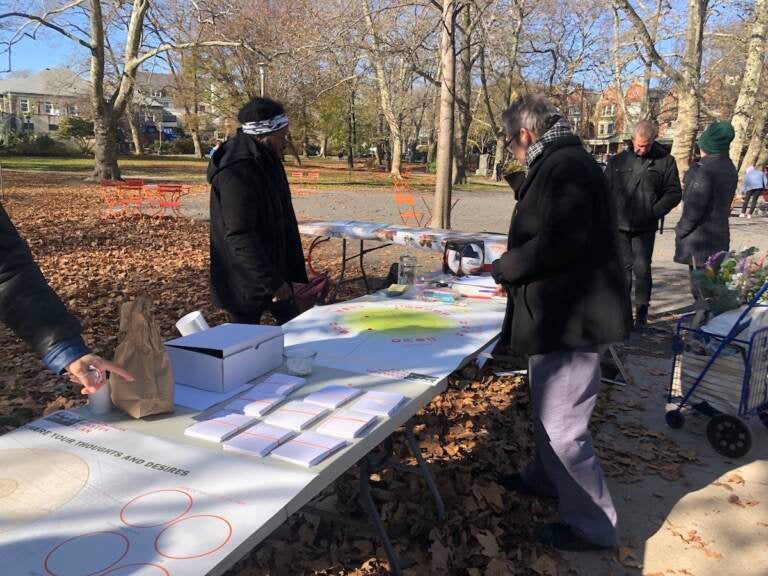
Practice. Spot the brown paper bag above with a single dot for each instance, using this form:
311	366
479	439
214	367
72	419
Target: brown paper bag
140	350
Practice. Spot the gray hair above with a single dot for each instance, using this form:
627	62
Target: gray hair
645	129
533	112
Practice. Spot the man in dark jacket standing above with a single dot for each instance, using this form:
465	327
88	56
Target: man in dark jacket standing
710	186
256	251
30	308
646	186
567	298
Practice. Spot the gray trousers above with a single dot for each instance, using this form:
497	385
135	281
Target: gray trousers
564	388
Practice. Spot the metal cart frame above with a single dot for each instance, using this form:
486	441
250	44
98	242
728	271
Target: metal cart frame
729	434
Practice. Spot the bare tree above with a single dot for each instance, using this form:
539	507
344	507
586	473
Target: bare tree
108	104
753	71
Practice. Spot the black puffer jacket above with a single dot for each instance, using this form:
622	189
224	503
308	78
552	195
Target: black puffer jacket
703	228
255	243
562	267
28	306
644	189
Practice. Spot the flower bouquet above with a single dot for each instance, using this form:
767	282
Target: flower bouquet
731	279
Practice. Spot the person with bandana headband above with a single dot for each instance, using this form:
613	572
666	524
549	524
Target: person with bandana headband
256	252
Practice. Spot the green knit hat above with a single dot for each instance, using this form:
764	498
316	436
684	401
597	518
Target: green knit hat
717	138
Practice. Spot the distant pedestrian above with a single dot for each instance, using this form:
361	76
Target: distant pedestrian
710	186
645	186
755	184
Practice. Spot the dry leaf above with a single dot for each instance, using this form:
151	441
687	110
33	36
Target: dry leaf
627	557
735	479
729	488
544	566
488	542
441	557
498	567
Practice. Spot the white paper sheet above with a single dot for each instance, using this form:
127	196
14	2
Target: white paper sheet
296	415
379	403
220	426
90	498
280	384
348	424
255	403
308	449
203	399
333	396
258	440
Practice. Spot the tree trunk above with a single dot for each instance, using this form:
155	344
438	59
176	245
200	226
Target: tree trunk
756	142
105	150
687	122
396	146
463	81
133	124
750	83
441	212
195	134
686	128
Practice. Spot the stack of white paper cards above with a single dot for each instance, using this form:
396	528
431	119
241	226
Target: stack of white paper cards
220	426
279	384
347	424
308	449
333	396
296	415
379	403
258	440
255	403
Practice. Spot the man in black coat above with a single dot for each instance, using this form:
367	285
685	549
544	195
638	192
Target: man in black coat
30	308
256	251
645	186
567	298
710	185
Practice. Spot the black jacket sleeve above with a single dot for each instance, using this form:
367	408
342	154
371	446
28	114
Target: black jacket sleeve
241	222
671	193
697	204
28	305
564	238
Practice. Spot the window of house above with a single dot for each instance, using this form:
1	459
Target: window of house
157	93
47	107
201	108
53	127
72	110
24	106
574	111
609	109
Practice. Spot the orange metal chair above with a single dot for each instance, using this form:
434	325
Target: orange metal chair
298	180
111	198
165	197
313	182
407	210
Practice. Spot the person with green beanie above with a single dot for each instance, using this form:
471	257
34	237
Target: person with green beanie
708	190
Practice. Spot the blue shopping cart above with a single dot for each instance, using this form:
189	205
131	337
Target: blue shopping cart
724	377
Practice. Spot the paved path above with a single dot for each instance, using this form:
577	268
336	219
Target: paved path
490	210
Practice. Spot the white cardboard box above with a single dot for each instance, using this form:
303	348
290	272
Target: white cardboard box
226	356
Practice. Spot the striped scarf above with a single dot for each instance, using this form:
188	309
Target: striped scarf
559	129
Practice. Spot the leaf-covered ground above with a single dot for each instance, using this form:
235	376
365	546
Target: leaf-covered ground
477	429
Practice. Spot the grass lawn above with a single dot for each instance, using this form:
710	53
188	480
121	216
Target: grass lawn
334	174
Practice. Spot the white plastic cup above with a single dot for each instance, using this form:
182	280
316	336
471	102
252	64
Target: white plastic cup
100	402
192	323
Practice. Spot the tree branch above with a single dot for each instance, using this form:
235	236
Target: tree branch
43	22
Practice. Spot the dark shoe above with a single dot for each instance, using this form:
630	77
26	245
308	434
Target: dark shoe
514	483
641	318
561	536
